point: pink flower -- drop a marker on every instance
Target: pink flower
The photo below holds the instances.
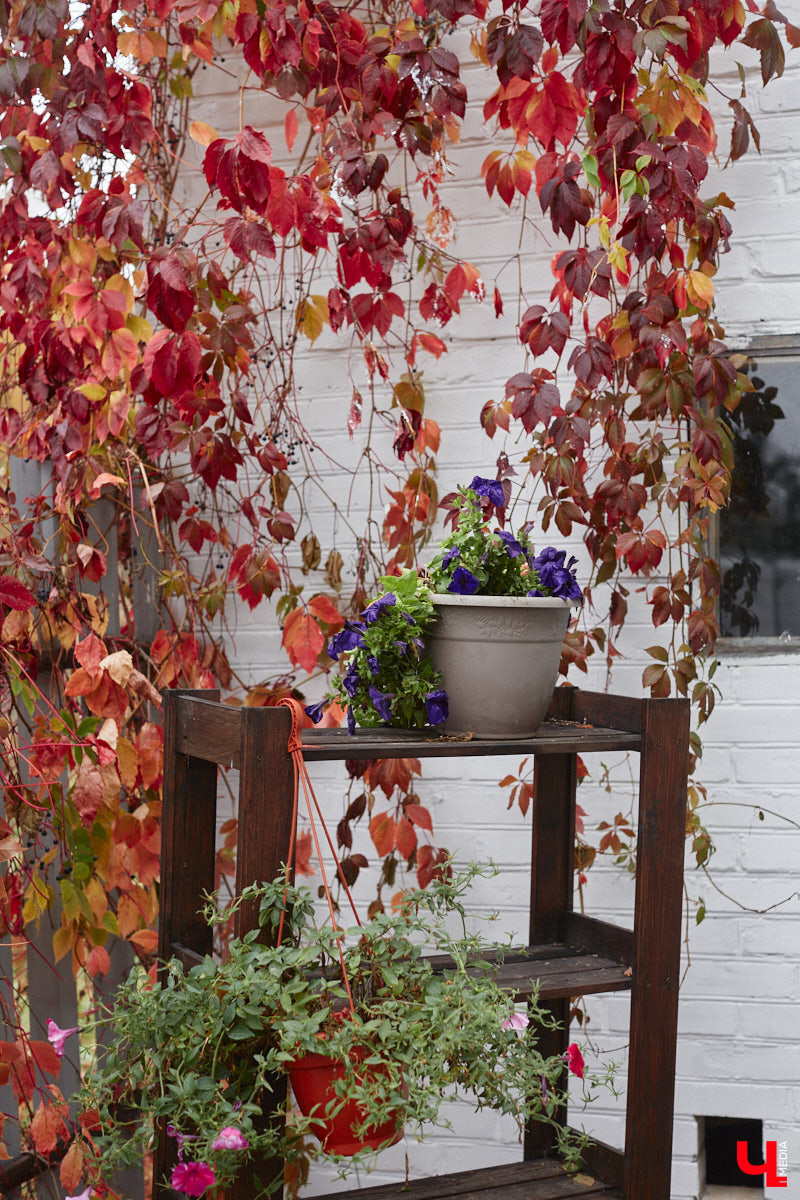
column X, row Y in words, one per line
column 230, row 1138
column 56, row 1037
column 575, row 1060
column 517, row 1020
column 192, row 1178
column 84, row 1195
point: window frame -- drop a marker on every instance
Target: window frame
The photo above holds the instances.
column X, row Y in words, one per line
column 764, row 347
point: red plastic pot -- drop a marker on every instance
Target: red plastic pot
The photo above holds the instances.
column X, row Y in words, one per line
column 313, row 1077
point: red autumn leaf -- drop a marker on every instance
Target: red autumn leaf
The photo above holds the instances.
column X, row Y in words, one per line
column 405, row 838
column 45, row 1057
column 71, row 1169
column 303, row 640
column 290, row 128
column 90, row 652
column 48, row 1127
column 14, row 594
column 98, row 962
column 168, row 293
column 92, row 563
column 382, row 830
column 88, row 793
column 419, row 815
column 326, row 611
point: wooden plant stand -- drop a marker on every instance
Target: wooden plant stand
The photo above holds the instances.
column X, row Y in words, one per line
column 569, row 954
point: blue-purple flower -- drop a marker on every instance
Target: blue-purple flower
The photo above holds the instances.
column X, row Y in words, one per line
column 348, row 638
column 373, row 664
column 511, row 544
column 351, row 720
column 382, row 702
column 315, row 711
column 556, row 577
column 401, row 646
column 463, row 582
column 374, row 610
column 351, row 680
column 453, row 553
column 437, row 706
column 492, row 489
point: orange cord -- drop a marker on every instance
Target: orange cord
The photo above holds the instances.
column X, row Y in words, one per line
column 295, row 747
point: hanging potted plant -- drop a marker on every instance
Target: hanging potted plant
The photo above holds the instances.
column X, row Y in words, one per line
column 199, row 1052
column 472, row 645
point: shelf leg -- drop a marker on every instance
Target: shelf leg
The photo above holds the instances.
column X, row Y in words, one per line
column 657, row 939
column 188, row 836
column 552, row 858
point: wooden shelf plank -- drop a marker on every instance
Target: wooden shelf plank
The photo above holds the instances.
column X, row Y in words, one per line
column 540, row 1179
column 560, row 972
column 554, row 737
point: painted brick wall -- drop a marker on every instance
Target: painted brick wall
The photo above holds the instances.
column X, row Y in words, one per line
column 739, row 1053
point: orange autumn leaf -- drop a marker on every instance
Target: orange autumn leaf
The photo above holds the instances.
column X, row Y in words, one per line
column 303, row 640
column 48, row 1127
column 71, row 1169
column 382, row 830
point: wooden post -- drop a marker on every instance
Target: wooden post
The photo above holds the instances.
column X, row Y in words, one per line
column 657, row 940
column 188, row 837
column 552, row 870
column 266, row 802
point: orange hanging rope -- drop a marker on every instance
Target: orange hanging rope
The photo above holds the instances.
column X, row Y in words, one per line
column 295, row 747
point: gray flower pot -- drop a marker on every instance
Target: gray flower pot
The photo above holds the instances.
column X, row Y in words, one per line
column 499, row 659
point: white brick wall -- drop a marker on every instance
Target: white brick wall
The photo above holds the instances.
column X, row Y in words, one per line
column 739, row 1052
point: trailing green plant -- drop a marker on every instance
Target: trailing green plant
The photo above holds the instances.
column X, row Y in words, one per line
column 200, row 1051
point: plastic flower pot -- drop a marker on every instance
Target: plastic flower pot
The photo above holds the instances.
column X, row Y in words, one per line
column 313, row 1077
column 499, row 658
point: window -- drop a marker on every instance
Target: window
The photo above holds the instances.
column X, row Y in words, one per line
column 759, row 532
column 722, row 1174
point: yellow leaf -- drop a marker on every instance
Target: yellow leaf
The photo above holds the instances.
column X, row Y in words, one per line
column 700, row 289
column 127, row 763
column 37, row 900
column 312, row 316
column 202, row 133
column 140, row 327
column 63, row 941
column 92, row 391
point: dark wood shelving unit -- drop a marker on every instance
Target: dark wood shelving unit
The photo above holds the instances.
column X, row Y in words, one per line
column 569, row 954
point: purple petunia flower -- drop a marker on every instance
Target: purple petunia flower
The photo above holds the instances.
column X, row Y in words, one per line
column 492, row 489
column 373, row 664
column 348, row 638
column 315, row 711
column 192, row 1178
column 512, row 545
column 351, row 680
column 453, row 553
column 409, row 619
column 374, row 610
column 556, row 576
column 463, row 582
column 382, row 702
column 437, row 706
column 351, row 720
column 401, row 646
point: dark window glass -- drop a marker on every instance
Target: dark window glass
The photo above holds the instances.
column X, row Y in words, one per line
column 721, row 1136
column 760, row 529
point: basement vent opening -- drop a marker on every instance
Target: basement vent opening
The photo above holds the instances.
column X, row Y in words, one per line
column 720, row 1135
